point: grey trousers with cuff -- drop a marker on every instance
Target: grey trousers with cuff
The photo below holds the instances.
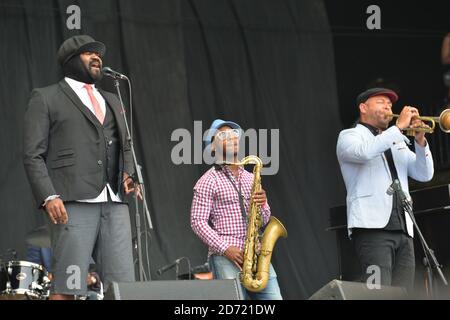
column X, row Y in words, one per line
column 101, row 231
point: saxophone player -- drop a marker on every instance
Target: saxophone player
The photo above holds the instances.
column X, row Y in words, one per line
column 218, row 213
column 371, row 157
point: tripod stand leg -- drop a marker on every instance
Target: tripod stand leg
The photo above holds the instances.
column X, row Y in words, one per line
column 428, row 283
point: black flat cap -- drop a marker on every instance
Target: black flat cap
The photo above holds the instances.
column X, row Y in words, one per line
column 79, row 44
column 362, row 97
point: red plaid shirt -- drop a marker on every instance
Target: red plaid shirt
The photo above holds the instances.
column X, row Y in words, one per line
column 216, row 214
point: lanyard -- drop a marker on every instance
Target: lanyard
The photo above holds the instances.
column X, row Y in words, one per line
column 241, row 198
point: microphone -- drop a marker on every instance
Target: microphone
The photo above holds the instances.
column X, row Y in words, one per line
column 395, row 186
column 168, row 266
column 390, row 191
column 107, row 71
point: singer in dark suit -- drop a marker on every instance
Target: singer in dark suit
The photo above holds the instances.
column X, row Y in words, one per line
column 78, row 162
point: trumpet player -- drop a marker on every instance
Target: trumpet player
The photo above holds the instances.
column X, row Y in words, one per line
column 219, row 209
column 371, row 155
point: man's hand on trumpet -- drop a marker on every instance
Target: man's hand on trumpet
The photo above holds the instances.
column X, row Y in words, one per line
column 405, row 117
column 419, row 135
column 408, row 119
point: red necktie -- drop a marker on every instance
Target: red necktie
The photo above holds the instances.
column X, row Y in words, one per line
column 97, row 110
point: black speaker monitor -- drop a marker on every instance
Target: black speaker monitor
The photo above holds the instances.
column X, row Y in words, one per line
column 175, row 290
column 346, row 290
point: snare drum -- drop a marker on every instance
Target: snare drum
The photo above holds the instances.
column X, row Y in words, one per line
column 21, row 280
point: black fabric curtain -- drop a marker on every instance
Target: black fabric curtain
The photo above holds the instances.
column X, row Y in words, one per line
column 262, row 63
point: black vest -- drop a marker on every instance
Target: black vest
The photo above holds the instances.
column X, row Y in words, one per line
column 112, row 143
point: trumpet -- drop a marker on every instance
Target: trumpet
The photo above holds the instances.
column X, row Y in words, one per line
column 443, row 119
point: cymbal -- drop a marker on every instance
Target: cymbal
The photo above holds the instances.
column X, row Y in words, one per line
column 39, row 237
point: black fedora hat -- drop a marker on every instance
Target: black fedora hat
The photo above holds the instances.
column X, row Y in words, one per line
column 363, row 96
column 79, row 44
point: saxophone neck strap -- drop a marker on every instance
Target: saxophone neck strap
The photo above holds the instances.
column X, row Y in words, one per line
column 241, row 198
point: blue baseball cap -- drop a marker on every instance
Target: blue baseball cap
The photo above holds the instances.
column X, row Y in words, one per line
column 218, row 123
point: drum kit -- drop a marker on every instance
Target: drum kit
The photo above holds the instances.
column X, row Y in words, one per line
column 25, row 280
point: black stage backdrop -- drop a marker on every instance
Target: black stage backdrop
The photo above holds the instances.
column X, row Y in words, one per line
column 264, row 64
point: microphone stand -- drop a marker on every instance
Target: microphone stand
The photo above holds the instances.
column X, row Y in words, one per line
column 139, row 181
column 176, row 264
column 429, row 259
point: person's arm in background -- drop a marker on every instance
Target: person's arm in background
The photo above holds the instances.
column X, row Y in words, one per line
column 34, row 255
column 445, row 52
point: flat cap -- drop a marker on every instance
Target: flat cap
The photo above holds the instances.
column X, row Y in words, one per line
column 79, row 44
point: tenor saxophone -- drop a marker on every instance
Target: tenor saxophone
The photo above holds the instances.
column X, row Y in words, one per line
column 256, row 265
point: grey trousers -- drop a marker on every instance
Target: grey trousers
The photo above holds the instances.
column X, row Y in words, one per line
column 98, row 231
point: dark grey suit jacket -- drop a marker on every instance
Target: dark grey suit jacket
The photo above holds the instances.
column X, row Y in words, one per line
column 64, row 147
